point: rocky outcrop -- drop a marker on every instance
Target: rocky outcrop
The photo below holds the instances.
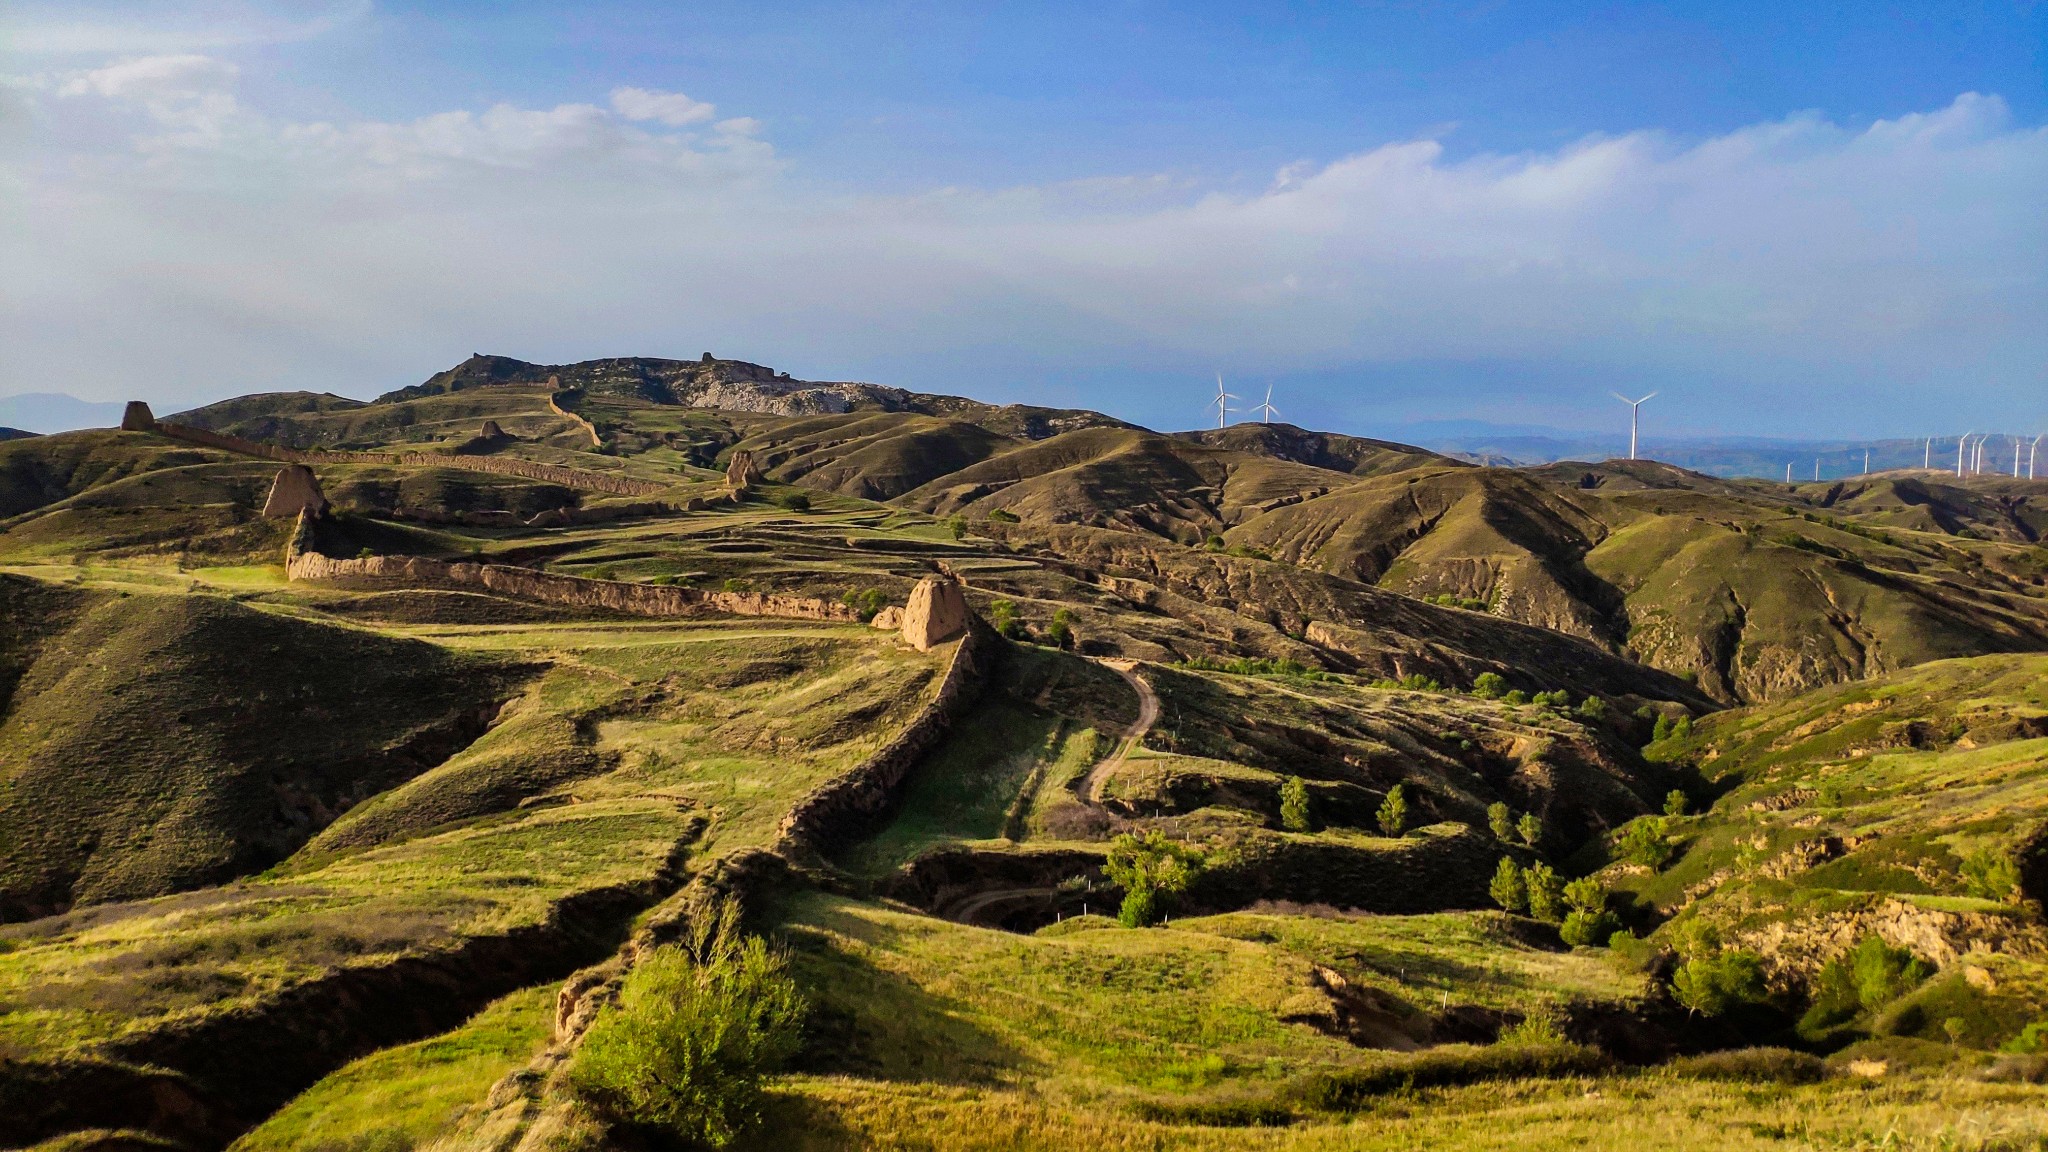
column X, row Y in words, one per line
column 138, row 418
column 742, row 472
column 1795, row 949
column 937, row 612
column 575, row 591
column 295, row 490
column 845, row 807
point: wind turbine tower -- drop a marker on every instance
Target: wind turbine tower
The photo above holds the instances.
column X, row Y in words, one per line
column 1635, row 419
column 2015, row 457
column 1788, row 471
column 1959, row 453
column 1266, row 410
column 1927, row 454
column 1866, row 461
column 2031, row 450
column 1222, row 397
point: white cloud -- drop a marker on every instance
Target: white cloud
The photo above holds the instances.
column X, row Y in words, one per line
column 1786, row 256
column 671, row 108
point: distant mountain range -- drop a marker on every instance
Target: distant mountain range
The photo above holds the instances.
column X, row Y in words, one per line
column 1479, row 441
column 56, row 412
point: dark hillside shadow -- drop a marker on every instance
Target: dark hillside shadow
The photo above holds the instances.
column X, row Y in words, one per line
column 876, row 1024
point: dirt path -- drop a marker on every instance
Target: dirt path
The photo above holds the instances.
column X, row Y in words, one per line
column 1090, row 787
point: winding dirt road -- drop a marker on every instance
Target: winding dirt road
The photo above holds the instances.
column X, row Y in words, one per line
column 1090, row 788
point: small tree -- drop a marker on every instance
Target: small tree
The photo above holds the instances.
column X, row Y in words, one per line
column 1501, row 819
column 1588, row 924
column 1149, row 869
column 1393, row 813
column 1508, row 888
column 1061, row 632
column 1489, row 686
column 1592, row 709
column 1675, row 803
column 1661, row 730
column 1682, row 729
column 1530, row 826
column 1643, row 842
column 1294, row 815
column 956, row 526
column 694, row 1030
column 1546, row 892
column 1002, row 616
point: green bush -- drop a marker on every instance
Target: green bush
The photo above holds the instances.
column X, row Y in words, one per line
column 1254, row 666
column 1675, row 803
column 1557, row 699
column 1584, row 929
column 1644, row 841
column 956, row 526
column 1002, row 516
column 1530, row 827
column 1412, row 682
column 738, row 585
column 1662, row 730
column 1592, row 709
column 1002, row 616
column 1546, row 892
column 1508, row 888
column 794, row 501
column 694, row 1030
column 1515, row 696
column 1060, row 634
column 867, row 603
column 1863, row 979
column 1393, row 813
column 1147, row 869
column 2032, row 1039
column 1294, row 813
column 1501, row 819
column 1752, row 1066
column 1489, row 686
column 1714, row 979
column 1991, row 874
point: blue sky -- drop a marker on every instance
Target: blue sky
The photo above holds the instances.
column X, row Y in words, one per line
column 1791, row 219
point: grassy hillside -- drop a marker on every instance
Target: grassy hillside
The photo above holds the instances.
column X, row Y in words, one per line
column 351, row 865
column 160, row 742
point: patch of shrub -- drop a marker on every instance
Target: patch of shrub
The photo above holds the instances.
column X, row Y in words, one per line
column 1557, row 699
column 1489, row 686
column 1991, row 874
column 794, row 501
column 1675, row 803
column 1150, row 869
column 866, row 603
column 1002, row 516
column 736, row 584
column 1530, row 827
column 1253, row 666
column 956, row 526
column 1002, row 616
column 1412, row 682
column 1645, row 841
column 1752, row 1066
column 1060, row 633
column 1863, row 979
column 1592, row 709
column 1515, row 696
column 1714, row 979
column 1354, row 1088
column 1501, row 819
column 2031, row 1040
column 694, row 1030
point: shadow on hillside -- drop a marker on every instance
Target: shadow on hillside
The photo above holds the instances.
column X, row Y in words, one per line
column 876, row 1024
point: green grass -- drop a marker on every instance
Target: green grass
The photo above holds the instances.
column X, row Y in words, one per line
column 406, row 1096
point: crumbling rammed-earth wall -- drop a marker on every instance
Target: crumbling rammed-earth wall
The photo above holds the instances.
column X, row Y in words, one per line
column 576, row 591
column 843, row 807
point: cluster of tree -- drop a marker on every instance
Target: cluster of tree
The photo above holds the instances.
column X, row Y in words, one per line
column 1578, row 907
column 1151, row 870
column 1507, row 827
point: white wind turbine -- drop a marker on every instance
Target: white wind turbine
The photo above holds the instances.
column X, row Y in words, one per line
column 1635, row 418
column 1222, row 399
column 1959, row 452
column 1265, row 408
column 2031, row 450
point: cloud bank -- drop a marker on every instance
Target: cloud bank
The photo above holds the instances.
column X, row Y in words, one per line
column 179, row 244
